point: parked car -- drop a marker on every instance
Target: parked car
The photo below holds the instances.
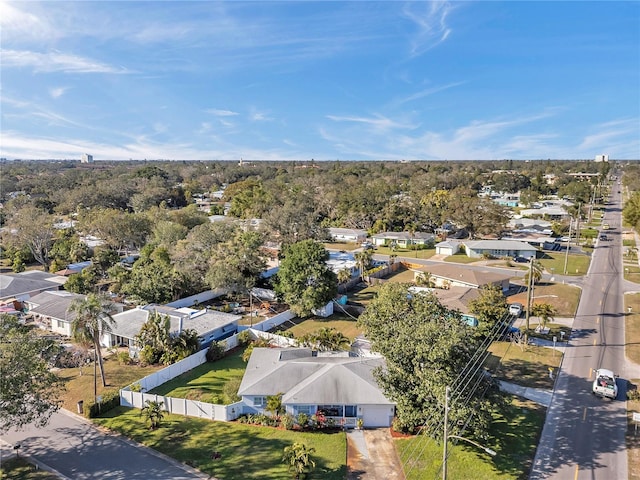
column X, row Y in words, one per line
column 604, row 385
column 520, row 259
column 367, row 245
column 603, row 237
column 515, row 309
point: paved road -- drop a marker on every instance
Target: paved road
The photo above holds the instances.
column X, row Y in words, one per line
column 584, row 436
column 75, row 449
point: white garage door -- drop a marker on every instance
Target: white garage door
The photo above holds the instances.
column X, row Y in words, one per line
column 376, row 416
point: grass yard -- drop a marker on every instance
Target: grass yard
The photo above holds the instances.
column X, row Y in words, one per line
column 632, row 327
column 461, row 258
column 80, row 387
column 407, row 253
column 205, row 382
column 633, row 438
column 247, row 452
column 564, row 298
column 364, row 295
column 20, row 469
column 554, row 262
column 632, row 272
column 528, row 367
column 555, row 330
column 339, row 321
column 513, row 435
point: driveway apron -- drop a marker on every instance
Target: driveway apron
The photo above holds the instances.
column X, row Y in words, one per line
column 371, row 455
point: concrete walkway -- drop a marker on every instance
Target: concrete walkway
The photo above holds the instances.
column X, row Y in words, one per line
column 538, row 395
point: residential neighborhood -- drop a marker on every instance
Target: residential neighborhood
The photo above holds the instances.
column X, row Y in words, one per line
column 310, row 324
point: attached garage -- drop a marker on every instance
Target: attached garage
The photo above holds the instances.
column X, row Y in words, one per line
column 377, row 415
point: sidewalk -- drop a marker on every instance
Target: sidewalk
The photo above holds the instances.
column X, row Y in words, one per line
column 538, row 395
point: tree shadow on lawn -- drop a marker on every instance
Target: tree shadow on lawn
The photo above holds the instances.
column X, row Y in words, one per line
column 523, row 372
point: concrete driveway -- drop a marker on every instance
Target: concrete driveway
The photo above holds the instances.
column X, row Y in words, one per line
column 371, row 455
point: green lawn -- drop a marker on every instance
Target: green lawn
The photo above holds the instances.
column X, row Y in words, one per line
column 461, row 258
column 339, row 321
column 513, row 435
column 20, row 469
column 564, row 298
column 205, row 382
column 79, row 382
column 247, row 452
column 528, row 367
column 554, row 262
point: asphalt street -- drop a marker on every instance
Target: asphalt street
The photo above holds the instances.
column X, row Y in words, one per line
column 583, row 435
column 76, row 450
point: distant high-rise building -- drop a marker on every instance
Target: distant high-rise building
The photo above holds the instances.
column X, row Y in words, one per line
column 86, row 158
column 602, row 158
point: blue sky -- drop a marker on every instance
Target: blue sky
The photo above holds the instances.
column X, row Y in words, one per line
column 323, row 80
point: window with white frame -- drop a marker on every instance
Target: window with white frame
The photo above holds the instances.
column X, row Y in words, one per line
column 259, row 401
column 59, row 323
column 307, row 409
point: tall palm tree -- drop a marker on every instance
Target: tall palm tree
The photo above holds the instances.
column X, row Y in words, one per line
column 93, row 318
column 533, row 275
column 363, row 260
column 344, row 275
column 545, row 311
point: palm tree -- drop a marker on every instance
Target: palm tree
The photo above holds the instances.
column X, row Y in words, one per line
column 298, row 459
column 330, row 339
column 344, row 275
column 363, row 259
column 533, row 275
column 153, row 412
column 544, row 311
column 93, row 318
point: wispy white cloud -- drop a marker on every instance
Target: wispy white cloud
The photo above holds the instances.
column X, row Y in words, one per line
column 426, row 92
column 57, row 92
column 609, row 133
column 430, row 19
column 220, row 112
column 19, row 23
column 379, row 122
column 258, row 116
column 56, row 62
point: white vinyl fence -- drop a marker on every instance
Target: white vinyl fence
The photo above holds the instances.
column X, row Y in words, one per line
column 269, row 323
column 193, row 408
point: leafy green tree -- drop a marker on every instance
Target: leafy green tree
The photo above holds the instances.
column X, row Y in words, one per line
column 631, row 210
column 154, row 279
column 29, row 391
column 490, row 308
column 304, row 280
column 153, row 412
column 426, row 347
column 154, row 335
column 545, row 311
column 237, row 264
column 298, row 459
column 31, row 227
column 92, row 320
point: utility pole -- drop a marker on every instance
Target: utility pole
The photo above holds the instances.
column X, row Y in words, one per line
column 566, row 253
column 446, row 432
column 529, row 295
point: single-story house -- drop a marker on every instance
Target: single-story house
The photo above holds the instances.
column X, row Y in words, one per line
column 499, row 248
column 446, row 275
column 343, row 388
column 530, row 225
column 455, row 298
column 403, row 239
column 348, row 235
column 51, row 310
column 210, row 325
column 448, row 247
column 21, row 286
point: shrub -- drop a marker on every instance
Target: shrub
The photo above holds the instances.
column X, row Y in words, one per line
column 303, row 420
column 148, row 355
column 230, row 390
column 110, row 399
column 632, row 391
column 287, row 421
column 216, row 351
column 244, row 338
column 124, row 358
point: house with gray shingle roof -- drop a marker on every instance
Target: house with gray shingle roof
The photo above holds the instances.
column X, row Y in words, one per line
column 499, row 249
column 403, row 239
column 445, row 275
column 343, row 388
column 21, row 286
column 210, row 325
column 51, row 310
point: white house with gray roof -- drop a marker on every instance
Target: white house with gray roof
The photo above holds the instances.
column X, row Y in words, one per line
column 21, row 286
column 343, row 388
column 348, row 235
column 499, row 248
column 403, row 239
column 210, row 325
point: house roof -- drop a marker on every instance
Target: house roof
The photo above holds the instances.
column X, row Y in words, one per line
column 347, row 231
column 304, row 379
column 456, row 298
column 449, row 243
column 129, row 323
column 54, row 304
column 404, row 235
column 461, row 274
column 498, row 245
column 25, row 283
